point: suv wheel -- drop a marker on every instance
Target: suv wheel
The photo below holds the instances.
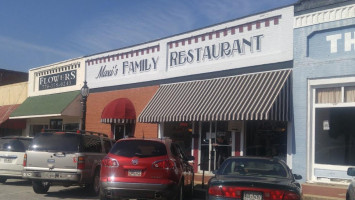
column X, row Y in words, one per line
column 94, row 187
column 40, row 187
column 2, row 180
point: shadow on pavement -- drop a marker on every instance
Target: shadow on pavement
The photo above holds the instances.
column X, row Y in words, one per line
column 70, row 193
column 18, row 183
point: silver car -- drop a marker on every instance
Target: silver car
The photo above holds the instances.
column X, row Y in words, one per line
column 350, row 194
column 65, row 158
column 12, row 150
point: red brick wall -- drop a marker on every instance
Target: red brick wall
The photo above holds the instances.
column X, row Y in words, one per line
column 138, row 96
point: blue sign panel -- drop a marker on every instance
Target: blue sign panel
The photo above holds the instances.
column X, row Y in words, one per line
column 332, row 44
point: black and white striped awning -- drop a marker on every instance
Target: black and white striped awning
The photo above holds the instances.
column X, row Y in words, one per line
column 257, row 96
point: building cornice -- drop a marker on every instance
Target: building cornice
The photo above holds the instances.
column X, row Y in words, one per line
column 329, row 15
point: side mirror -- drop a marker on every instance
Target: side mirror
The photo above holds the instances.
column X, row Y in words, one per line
column 297, row 176
column 351, row 171
column 190, row 158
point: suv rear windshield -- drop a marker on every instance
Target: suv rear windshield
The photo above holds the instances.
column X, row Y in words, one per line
column 139, row 148
column 66, row 142
column 14, row 144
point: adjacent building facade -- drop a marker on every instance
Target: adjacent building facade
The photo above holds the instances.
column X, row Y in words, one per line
column 324, row 88
column 12, row 96
column 53, row 100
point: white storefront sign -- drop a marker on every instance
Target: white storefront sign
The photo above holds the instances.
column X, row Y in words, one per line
column 255, row 40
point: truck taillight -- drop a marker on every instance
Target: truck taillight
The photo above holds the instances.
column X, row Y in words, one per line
column 164, row 164
column 81, row 162
column 24, row 160
column 236, row 192
column 109, row 162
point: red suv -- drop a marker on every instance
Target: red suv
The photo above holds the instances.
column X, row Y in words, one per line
column 146, row 168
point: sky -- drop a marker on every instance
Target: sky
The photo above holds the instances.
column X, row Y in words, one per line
column 35, row 33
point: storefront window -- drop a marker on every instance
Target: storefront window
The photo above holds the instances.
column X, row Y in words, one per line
column 122, row 130
column 335, row 136
column 36, row 129
column 56, row 124
column 328, row 95
column 349, row 94
column 71, row 127
column 266, row 138
column 180, row 133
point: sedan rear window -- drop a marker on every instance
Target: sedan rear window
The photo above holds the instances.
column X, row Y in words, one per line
column 139, row 148
column 14, row 144
column 253, row 167
column 56, row 142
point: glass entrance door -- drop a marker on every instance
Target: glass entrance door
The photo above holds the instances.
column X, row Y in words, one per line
column 216, row 145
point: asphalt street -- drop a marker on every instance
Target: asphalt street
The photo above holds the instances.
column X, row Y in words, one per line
column 19, row 189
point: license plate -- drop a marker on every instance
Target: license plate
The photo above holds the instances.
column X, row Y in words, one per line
column 7, row 160
column 252, row 195
column 49, row 175
column 133, row 172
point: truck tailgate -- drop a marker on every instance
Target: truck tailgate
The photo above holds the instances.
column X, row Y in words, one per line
column 56, row 161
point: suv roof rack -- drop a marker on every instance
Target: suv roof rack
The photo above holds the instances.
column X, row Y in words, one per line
column 75, row 131
column 92, row 133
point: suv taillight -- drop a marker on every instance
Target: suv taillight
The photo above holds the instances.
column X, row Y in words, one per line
column 81, row 162
column 24, row 160
column 109, row 162
column 236, row 192
column 164, row 164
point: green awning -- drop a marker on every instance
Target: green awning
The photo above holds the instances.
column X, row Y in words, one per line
column 60, row 104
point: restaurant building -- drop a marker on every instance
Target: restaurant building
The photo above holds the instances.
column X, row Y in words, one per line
column 227, row 83
column 53, row 100
column 324, row 89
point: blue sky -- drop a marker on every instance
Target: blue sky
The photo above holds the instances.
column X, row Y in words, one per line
column 34, row 33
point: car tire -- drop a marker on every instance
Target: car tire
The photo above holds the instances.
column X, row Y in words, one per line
column 94, row 187
column 192, row 186
column 103, row 197
column 40, row 187
column 3, row 180
column 180, row 195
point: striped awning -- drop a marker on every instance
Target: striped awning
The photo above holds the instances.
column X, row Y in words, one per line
column 257, row 96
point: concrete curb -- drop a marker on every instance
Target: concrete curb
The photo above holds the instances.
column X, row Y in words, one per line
column 318, row 197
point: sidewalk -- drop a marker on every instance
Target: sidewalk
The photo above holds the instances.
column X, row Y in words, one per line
column 317, row 191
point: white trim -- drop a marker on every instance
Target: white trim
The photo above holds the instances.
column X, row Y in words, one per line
column 309, row 159
column 199, row 147
column 35, row 116
column 311, row 108
column 233, row 142
column 289, row 145
column 161, row 130
column 324, row 16
column 332, row 81
column 331, row 167
column 242, row 136
column 193, row 139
